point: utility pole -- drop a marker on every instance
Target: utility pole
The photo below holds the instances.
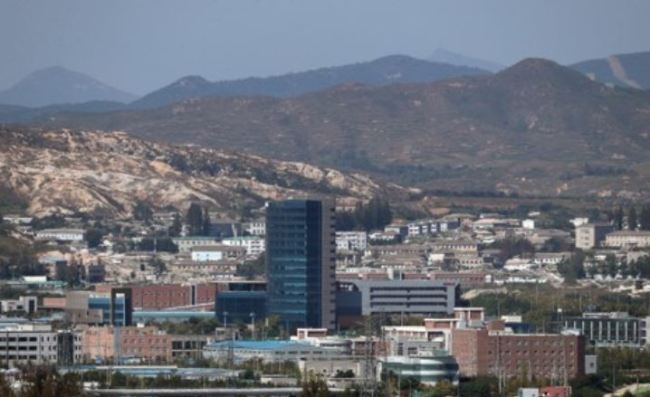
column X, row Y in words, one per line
column 370, row 381
column 252, row 325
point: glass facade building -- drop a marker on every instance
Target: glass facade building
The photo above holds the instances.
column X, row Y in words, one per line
column 239, row 305
column 115, row 309
column 300, row 260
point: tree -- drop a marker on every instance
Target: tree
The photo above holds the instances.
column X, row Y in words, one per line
column 345, row 221
column 142, row 211
column 443, row 388
column 252, row 269
column 315, row 387
column 206, row 226
column 158, row 266
column 5, row 387
column 618, row 218
column 176, row 227
column 344, row 374
column 632, row 219
column 572, row 269
column 93, row 237
column 481, row 386
column 511, row 247
column 194, row 219
column 374, row 215
column 556, row 244
column 644, row 217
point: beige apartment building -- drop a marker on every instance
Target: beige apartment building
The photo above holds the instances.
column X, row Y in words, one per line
column 628, row 239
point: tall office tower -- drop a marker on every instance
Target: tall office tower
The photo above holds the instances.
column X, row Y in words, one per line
column 300, row 262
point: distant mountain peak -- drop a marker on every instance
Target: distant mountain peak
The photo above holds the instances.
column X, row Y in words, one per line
column 56, row 85
column 191, row 81
column 453, row 58
column 540, row 70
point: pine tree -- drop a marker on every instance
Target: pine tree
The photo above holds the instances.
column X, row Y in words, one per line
column 632, row 220
column 618, row 218
column 644, row 218
column 206, row 226
column 195, row 219
column 176, row 227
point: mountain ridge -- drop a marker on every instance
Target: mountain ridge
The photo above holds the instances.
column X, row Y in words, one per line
column 57, row 85
column 385, row 70
column 630, row 70
column 445, row 56
column 535, row 128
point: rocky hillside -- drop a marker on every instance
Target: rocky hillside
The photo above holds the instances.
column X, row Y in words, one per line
column 536, row 128
column 61, row 171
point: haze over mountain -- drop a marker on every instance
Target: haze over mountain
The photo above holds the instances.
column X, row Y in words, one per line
column 387, row 70
column 57, row 85
column 444, row 56
column 534, row 128
column 625, row 70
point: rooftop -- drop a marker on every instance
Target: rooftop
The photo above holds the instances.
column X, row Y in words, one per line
column 260, row 344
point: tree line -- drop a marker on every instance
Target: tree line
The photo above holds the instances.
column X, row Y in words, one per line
column 372, row 216
column 632, row 217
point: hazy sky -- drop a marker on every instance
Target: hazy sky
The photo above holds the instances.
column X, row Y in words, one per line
column 140, row 45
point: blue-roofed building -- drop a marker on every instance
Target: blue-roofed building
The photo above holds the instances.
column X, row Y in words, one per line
column 267, row 350
column 152, row 371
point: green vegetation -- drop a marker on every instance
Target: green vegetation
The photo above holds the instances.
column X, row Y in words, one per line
column 191, row 327
column 372, row 216
column 315, row 386
column 637, row 218
column 158, row 244
column 573, row 268
column 511, row 247
column 10, row 201
column 176, row 227
column 142, row 211
column 44, row 381
column 71, row 273
column 17, row 259
column 539, row 304
column 198, row 220
column 252, row 269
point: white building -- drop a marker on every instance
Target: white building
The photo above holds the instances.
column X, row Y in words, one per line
column 528, row 224
column 38, row 344
column 185, row 244
column 550, row 258
column 590, row 235
column 255, row 228
column 351, row 241
column 212, row 253
column 254, row 245
column 17, row 219
column 60, row 235
column 519, row 265
column 628, row 239
column 267, row 350
column 27, row 304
